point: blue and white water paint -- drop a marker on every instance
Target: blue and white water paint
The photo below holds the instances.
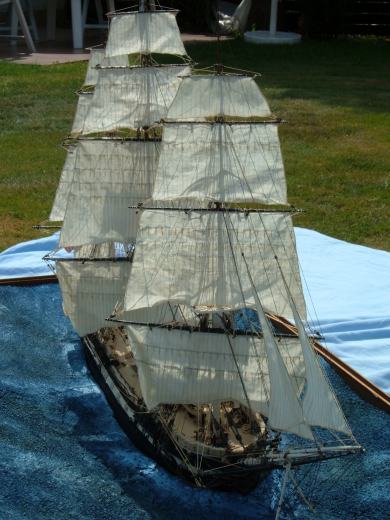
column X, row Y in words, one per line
column 63, row 456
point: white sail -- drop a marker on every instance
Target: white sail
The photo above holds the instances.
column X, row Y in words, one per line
column 187, row 258
column 90, row 291
column 232, row 163
column 98, row 58
column 109, row 176
column 144, row 33
column 285, row 409
column 203, row 97
column 61, row 199
column 84, row 101
column 82, row 108
column 177, row 366
column 320, row 405
column 132, row 97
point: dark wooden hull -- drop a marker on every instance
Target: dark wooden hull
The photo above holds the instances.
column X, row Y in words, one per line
column 151, row 437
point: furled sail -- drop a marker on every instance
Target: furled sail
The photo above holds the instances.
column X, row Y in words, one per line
column 61, row 199
column 90, row 291
column 108, row 177
column 144, row 33
column 232, row 163
column 181, row 367
column 228, row 96
column 132, row 98
column 195, row 259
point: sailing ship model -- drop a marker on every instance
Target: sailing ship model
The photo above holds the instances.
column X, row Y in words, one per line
column 173, row 200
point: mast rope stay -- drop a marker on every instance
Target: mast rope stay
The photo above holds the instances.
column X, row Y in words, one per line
column 305, row 338
column 243, row 298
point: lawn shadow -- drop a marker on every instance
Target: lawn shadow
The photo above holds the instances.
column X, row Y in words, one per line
column 349, row 73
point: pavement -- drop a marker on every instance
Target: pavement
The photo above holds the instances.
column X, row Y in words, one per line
column 61, row 51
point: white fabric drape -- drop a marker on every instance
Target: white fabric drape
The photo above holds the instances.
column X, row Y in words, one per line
column 232, row 163
column 132, row 97
column 176, row 366
column 144, row 33
column 109, row 176
column 202, row 97
column 186, row 258
column 90, row 291
column 61, row 199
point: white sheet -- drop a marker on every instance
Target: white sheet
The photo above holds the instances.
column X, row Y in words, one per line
column 25, row 259
column 349, row 285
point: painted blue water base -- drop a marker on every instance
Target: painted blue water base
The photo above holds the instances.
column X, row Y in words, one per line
column 63, row 456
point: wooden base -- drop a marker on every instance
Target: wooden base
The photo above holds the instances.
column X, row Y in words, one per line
column 29, row 280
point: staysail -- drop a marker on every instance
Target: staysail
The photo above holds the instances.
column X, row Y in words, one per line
column 320, row 405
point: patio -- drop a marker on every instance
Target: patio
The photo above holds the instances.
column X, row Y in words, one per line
column 63, row 35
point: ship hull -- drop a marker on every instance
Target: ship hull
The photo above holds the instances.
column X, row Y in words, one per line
column 151, row 437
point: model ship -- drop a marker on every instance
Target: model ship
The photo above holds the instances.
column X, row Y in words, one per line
column 173, row 201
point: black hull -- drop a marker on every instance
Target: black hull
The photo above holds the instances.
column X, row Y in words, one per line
column 150, row 436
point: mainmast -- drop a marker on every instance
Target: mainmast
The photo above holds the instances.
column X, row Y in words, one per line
column 212, row 243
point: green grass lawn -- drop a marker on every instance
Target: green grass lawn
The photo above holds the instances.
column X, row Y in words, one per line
column 334, row 95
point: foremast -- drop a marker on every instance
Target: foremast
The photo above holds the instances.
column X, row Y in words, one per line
column 211, row 244
column 112, row 164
